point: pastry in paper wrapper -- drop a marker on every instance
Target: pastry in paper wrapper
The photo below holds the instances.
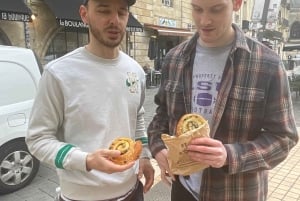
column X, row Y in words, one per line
column 179, row 161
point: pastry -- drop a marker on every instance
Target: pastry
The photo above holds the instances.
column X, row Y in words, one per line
column 189, row 122
column 130, row 150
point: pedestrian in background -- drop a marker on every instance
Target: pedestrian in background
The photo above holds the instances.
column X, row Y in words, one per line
column 240, row 86
column 85, row 100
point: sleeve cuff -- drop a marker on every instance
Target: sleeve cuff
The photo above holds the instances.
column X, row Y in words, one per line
column 76, row 160
column 146, row 152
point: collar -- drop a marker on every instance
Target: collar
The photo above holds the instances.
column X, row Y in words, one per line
column 240, row 41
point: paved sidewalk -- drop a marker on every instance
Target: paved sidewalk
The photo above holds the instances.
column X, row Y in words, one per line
column 284, row 180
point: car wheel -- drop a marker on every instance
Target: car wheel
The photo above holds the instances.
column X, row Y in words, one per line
column 17, row 166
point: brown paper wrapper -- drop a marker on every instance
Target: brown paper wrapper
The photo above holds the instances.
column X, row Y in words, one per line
column 179, row 161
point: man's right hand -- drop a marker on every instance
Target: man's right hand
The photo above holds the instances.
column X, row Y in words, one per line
column 165, row 174
column 99, row 160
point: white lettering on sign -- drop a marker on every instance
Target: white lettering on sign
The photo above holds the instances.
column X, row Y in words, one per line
column 15, row 17
column 167, row 22
column 71, row 23
column 134, row 29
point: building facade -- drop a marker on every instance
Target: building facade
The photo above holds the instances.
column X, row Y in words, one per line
column 57, row 29
column 53, row 27
column 166, row 24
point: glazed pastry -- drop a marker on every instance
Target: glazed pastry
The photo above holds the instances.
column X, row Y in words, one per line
column 130, row 150
column 189, row 122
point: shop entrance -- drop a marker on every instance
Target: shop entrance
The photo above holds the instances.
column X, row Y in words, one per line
column 164, row 44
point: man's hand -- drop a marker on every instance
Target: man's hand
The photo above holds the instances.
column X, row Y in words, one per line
column 99, row 160
column 146, row 169
column 165, row 174
column 209, row 151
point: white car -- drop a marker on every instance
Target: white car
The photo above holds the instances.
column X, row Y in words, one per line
column 20, row 72
column 294, row 69
column 293, row 73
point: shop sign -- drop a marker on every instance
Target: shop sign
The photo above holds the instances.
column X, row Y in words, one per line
column 72, row 23
column 15, row 16
column 258, row 9
column 273, row 10
column 271, row 25
column 255, row 25
column 167, row 22
column 134, row 29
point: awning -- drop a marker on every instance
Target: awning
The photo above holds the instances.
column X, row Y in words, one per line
column 271, row 34
column 291, row 47
column 14, row 10
column 169, row 31
column 64, row 9
column 133, row 25
column 66, row 13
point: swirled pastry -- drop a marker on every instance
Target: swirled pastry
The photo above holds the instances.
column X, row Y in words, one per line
column 130, row 150
column 189, row 122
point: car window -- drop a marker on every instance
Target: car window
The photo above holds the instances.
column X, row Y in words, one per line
column 16, row 83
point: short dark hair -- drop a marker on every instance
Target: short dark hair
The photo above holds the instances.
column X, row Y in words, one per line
column 85, row 2
column 130, row 2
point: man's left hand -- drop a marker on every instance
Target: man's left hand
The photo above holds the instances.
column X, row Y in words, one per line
column 207, row 150
column 147, row 170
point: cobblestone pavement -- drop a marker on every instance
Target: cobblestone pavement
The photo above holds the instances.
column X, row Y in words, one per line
column 284, row 180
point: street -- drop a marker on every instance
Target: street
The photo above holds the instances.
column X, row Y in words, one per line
column 284, row 179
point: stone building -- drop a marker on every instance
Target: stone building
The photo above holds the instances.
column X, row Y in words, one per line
column 292, row 45
column 166, row 24
column 53, row 27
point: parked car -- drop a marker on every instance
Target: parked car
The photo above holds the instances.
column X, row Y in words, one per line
column 293, row 67
column 20, row 72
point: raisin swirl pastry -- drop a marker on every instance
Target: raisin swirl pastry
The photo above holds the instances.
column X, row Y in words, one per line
column 130, row 150
column 189, row 122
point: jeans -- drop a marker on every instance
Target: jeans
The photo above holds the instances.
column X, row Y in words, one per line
column 180, row 193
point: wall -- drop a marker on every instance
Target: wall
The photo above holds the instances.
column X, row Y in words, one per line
column 14, row 32
column 43, row 28
column 149, row 11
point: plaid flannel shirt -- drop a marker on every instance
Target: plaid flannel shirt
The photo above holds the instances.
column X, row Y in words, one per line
column 253, row 116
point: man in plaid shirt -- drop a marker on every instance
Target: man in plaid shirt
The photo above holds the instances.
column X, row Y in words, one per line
column 240, row 86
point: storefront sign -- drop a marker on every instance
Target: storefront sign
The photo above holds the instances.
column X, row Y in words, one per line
column 134, row 29
column 72, row 23
column 258, row 10
column 271, row 25
column 27, row 35
column 14, row 16
column 273, row 10
column 167, row 22
column 255, row 25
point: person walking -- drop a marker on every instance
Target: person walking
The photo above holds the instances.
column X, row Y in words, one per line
column 240, row 86
column 86, row 99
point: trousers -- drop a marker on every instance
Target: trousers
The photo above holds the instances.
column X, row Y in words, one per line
column 179, row 192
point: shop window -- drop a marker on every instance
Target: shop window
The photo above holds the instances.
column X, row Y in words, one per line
column 295, row 31
column 168, row 3
column 65, row 41
column 24, row 86
column 295, row 3
column 72, row 42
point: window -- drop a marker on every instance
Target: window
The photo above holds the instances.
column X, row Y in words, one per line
column 295, row 31
column 65, row 41
column 167, row 3
column 16, row 83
